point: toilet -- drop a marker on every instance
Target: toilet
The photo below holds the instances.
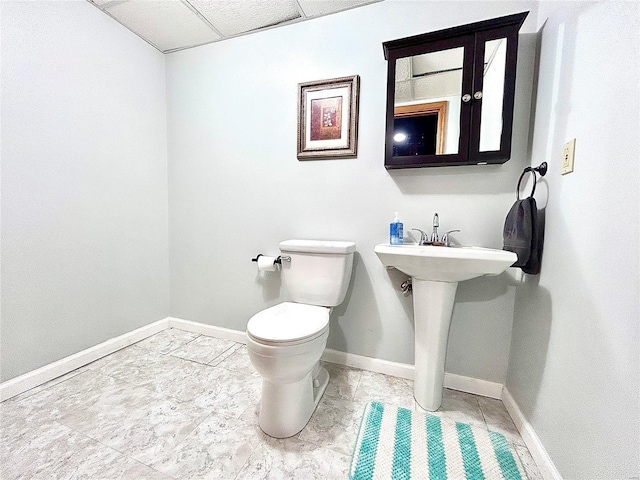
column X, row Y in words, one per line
column 285, row 342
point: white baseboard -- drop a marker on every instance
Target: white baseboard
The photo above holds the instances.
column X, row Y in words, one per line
column 477, row 386
column 208, row 330
column 531, row 439
column 396, row 369
column 377, row 365
column 404, row 370
column 37, row 377
column 25, row 382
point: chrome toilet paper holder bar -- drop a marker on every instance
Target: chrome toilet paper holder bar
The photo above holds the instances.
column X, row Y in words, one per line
column 278, row 260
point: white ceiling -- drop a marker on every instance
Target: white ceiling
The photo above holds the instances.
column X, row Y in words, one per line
column 171, row 25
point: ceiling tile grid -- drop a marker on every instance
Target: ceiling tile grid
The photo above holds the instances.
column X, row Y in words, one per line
column 233, row 17
column 316, row 8
column 171, row 25
column 166, row 24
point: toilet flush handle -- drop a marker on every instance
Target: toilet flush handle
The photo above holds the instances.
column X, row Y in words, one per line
column 282, row 258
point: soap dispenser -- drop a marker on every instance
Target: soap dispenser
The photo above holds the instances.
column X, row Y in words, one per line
column 396, row 233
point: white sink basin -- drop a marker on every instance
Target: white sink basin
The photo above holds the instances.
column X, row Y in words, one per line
column 444, row 264
column 435, row 273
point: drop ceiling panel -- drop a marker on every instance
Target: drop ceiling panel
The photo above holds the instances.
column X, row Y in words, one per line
column 313, row 8
column 232, row 17
column 167, row 24
column 177, row 24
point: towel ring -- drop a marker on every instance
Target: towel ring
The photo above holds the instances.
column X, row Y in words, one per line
column 535, row 180
column 541, row 169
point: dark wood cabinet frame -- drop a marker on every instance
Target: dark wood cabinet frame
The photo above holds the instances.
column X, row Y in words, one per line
column 472, row 38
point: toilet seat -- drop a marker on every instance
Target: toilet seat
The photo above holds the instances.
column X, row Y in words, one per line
column 288, row 323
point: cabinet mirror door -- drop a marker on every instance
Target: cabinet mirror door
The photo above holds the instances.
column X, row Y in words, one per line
column 427, row 103
column 493, row 95
column 493, row 76
column 427, row 115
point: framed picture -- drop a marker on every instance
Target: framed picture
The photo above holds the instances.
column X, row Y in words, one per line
column 328, row 118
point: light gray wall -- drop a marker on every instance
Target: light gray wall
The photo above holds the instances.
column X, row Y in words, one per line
column 84, row 200
column 84, row 182
column 236, row 188
column 574, row 367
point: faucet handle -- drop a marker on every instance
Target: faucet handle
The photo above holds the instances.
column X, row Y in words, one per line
column 445, row 237
column 436, row 220
column 424, row 237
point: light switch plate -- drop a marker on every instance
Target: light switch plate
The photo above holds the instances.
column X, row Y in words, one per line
column 567, row 156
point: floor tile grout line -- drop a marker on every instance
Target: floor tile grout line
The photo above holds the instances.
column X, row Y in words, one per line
column 42, row 388
column 57, row 397
column 484, row 417
column 192, row 432
column 149, row 466
column 110, row 447
column 159, row 333
column 526, row 473
column 355, row 391
column 237, row 346
column 208, row 412
column 84, row 434
column 168, row 355
column 208, row 364
column 179, row 346
column 184, row 344
column 220, row 354
column 495, row 427
column 234, row 371
column 164, row 396
column 124, row 454
column 152, row 389
column 246, row 462
column 189, row 360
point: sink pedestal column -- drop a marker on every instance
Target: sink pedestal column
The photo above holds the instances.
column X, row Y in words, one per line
column 432, row 308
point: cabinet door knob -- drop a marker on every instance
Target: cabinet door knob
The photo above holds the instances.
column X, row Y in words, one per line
column 477, row 95
column 466, row 97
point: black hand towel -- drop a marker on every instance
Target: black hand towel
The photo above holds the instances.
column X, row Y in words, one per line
column 537, row 240
column 520, row 230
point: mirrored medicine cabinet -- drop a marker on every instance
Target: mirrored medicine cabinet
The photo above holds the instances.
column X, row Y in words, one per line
column 450, row 95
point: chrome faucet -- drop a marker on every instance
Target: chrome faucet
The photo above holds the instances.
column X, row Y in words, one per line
column 435, row 239
column 434, row 235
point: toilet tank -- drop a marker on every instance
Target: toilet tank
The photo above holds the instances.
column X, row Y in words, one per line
column 319, row 271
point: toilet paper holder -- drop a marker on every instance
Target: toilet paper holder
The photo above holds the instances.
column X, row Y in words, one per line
column 278, row 260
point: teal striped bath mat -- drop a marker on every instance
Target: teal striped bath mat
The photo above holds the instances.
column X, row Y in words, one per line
column 399, row 444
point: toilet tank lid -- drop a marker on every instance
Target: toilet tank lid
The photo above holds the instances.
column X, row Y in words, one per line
column 318, row 246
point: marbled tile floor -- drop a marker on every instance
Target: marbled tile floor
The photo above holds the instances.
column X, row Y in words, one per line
column 182, row 405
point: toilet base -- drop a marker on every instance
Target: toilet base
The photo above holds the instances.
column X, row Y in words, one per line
column 285, row 409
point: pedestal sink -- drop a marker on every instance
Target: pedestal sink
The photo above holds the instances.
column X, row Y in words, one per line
column 435, row 273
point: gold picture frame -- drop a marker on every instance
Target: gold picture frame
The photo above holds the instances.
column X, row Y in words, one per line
column 328, row 118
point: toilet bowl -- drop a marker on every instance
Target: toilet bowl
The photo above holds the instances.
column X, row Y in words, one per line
column 285, row 342
column 287, row 359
